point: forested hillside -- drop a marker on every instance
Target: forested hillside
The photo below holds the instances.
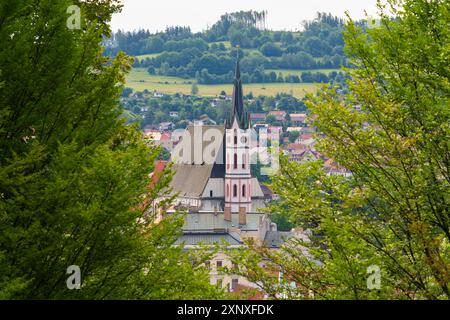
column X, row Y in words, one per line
column 209, row 56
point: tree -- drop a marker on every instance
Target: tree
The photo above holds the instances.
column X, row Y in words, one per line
column 194, row 89
column 271, row 49
column 293, row 136
column 74, row 187
column 271, row 119
column 127, row 92
column 391, row 131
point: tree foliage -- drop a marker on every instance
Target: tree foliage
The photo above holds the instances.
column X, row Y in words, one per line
column 74, row 186
column 392, row 132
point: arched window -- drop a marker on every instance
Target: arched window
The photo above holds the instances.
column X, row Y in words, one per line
column 243, row 191
column 235, row 191
column 235, row 161
column 211, row 194
column 235, row 137
column 243, row 161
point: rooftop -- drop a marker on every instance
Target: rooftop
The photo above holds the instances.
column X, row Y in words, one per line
column 193, row 239
column 203, row 222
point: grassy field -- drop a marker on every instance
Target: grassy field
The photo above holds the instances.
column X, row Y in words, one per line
column 227, row 44
column 145, row 56
column 139, row 80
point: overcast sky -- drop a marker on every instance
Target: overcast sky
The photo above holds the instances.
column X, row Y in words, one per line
column 199, row 14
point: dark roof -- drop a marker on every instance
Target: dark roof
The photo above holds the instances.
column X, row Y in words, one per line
column 208, row 222
column 266, row 190
column 209, row 239
column 275, row 239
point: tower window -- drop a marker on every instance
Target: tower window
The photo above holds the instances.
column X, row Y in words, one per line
column 243, row 191
column 235, row 192
column 243, row 161
column 235, row 136
column 211, row 194
column 235, row 161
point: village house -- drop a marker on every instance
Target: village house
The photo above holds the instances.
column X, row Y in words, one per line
column 166, row 126
column 280, row 116
column 258, row 117
column 298, row 119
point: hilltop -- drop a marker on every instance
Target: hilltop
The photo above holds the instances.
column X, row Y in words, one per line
column 177, row 60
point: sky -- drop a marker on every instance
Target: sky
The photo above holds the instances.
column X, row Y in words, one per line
column 156, row 15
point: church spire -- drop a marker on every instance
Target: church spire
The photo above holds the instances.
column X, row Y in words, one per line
column 237, row 111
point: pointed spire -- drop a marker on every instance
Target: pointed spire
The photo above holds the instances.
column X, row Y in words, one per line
column 237, row 111
column 238, row 100
column 238, row 70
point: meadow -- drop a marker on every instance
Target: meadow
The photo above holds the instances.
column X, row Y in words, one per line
column 139, row 80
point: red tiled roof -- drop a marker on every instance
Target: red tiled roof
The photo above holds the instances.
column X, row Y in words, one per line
column 306, row 136
column 166, row 137
column 277, row 113
column 298, row 117
column 159, row 168
column 258, row 116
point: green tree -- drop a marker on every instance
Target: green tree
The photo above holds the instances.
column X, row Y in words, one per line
column 271, row 119
column 271, row 49
column 194, row 89
column 392, row 132
column 293, row 136
column 74, row 187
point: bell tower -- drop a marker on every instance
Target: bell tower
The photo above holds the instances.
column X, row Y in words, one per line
column 238, row 196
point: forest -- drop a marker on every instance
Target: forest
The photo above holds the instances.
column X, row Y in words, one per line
column 209, row 56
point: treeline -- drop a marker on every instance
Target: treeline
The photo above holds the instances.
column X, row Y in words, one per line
column 262, row 76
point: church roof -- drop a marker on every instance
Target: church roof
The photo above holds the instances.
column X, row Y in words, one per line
column 190, row 180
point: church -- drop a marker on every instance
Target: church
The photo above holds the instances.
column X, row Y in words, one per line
column 212, row 165
column 213, row 182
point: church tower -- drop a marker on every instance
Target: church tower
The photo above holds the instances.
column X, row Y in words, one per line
column 238, row 195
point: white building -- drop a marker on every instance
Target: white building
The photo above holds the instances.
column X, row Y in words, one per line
column 212, row 165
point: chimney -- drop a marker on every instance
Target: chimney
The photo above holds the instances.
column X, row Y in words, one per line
column 242, row 215
column 227, row 214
